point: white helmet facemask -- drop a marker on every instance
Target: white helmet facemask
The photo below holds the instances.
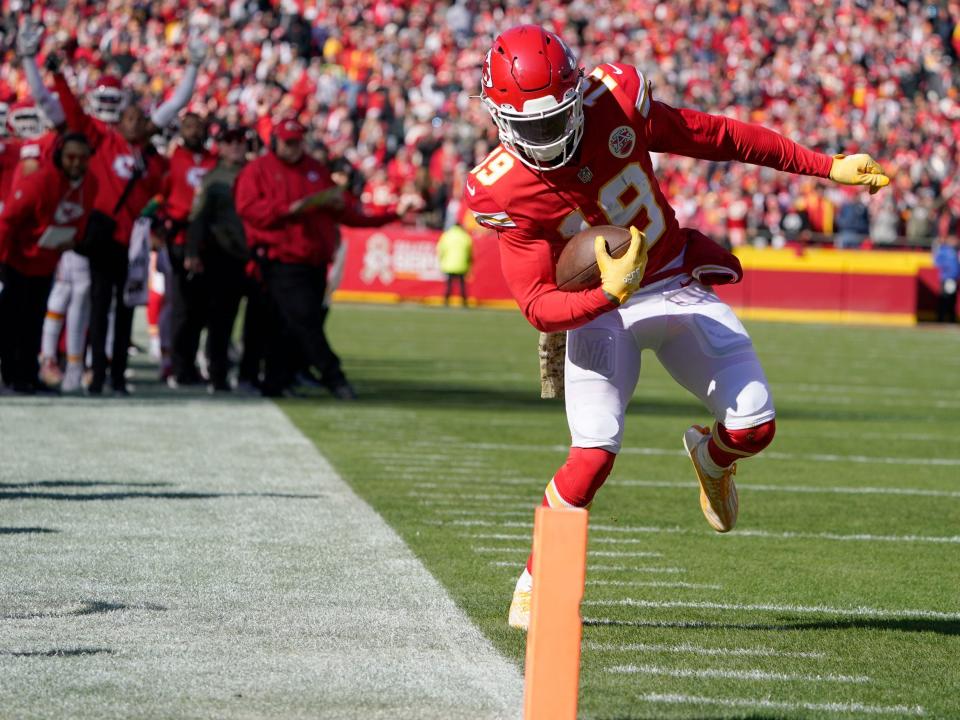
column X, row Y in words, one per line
column 544, row 134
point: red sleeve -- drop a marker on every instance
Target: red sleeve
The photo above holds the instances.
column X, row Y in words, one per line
column 254, row 205
column 77, row 119
column 351, row 216
column 529, row 270
column 714, row 137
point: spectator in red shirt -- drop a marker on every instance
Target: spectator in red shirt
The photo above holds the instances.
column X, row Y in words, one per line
column 44, row 215
column 189, row 163
column 290, row 207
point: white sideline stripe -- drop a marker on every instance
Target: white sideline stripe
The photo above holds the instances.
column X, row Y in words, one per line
column 854, row 707
column 769, row 455
column 762, row 607
column 594, row 553
column 607, row 568
column 655, row 583
column 735, row 674
column 803, row 488
column 686, row 648
column 786, row 535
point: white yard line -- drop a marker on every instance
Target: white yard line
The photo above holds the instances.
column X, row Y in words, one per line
column 766, row 455
column 762, row 607
column 242, row 576
column 592, row 553
column 688, row 649
column 608, row 568
column 526, row 539
column 786, row 535
column 764, row 704
column 827, row 489
column 655, row 583
column 755, row 674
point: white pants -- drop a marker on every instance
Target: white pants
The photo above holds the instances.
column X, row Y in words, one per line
column 70, row 299
column 696, row 337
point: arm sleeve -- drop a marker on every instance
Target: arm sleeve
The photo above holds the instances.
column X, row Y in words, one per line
column 528, row 268
column 45, row 99
column 76, row 118
column 254, row 206
column 199, row 220
column 163, row 115
column 714, row 137
column 352, row 217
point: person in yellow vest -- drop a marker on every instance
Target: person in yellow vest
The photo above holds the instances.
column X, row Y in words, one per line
column 455, row 253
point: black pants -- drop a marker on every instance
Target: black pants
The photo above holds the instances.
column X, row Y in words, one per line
column 451, row 278
column 225, row 280
column 256, row 321
column 108, row 275
column 297, row 293
column 23, row 303
column 188, row 315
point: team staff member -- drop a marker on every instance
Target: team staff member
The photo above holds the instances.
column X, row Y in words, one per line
column 129, row 173
column 216, row 248
column 291, row 207
column 44, row 214
column 189, row 163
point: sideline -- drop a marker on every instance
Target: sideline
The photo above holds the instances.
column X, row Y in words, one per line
column 200, row 558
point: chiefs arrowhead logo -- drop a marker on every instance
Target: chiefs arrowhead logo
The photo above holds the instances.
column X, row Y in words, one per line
column 622, row 141
column 486, row 78
column 123, row 166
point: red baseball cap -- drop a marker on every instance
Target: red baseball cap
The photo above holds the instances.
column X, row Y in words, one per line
column 289, row 129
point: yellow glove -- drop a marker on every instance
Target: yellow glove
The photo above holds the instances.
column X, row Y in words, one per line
column 620, row 277
column 859, row 169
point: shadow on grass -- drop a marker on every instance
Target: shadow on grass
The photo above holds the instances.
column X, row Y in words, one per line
column 25, row 530
column 79, row 483
column 57, row 652
column 940, row 627
column 86, row 497
column 88, row 607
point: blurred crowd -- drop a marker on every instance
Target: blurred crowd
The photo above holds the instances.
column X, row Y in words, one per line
column 385, row 88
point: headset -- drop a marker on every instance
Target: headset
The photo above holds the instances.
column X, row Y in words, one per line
column 62, row 140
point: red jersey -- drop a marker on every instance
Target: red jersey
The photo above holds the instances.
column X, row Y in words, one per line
column 609, row 181
column 44, row 200
column 264, row 191
column 9, row 157
column 186, row 172
column 38, row 149
column 113, row 163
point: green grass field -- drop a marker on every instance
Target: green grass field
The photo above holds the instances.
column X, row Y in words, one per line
column 838, row 595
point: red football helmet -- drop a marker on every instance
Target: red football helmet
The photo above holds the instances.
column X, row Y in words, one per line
column 26, row 120
column 108, row 99
column 533, row 89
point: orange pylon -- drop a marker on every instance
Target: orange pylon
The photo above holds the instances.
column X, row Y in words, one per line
column 552, row 677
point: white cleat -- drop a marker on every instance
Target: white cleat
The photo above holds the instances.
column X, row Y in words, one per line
column 72, row 378
column 520, row 610
column 718, row 496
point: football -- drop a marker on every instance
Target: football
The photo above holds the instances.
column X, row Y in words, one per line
column 577, row 265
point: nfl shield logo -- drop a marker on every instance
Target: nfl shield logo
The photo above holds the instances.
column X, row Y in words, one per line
column 585, row 175
column 622, row 140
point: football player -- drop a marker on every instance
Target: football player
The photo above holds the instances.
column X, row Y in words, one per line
column 575, row 152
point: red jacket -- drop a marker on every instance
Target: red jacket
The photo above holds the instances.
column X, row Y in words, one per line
column 44, row 199
column 264, row 191
column 181, row 182
column 113, row 163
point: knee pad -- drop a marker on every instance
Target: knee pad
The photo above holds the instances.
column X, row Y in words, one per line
column 746, row 442
column 581, row 476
